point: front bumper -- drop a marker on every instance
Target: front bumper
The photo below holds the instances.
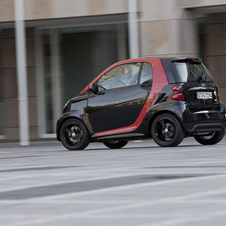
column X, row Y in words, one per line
column 58, row 125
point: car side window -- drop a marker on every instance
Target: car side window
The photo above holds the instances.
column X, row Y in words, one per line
column 146, row 73
column 120, row 76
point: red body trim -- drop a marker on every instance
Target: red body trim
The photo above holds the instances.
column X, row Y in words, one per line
column 159, row 81
column 114, row 65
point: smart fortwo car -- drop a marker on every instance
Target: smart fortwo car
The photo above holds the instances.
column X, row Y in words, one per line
column 163, row 99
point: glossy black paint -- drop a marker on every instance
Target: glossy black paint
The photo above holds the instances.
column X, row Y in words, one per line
column 120, row 107
column 167, row 65
column 76, row 107
column 116, row 108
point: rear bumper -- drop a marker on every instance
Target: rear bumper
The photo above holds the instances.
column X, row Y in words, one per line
column 196, row 119
column 203, row 121
column 205, row 127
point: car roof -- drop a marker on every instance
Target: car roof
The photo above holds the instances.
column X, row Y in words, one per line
column 173, row 58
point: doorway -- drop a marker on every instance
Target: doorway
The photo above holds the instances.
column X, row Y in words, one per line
column 70, row 59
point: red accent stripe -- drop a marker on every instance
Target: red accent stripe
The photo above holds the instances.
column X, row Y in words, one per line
column 159, row 81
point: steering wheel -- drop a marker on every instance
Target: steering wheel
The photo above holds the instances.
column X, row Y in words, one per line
column 119, row 83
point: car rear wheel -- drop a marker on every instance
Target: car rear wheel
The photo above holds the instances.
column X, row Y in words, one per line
column 114, row 144
column 212, row 138
column 74, row 135
column 167, row 131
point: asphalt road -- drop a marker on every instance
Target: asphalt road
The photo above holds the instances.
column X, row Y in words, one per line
column 140, row 184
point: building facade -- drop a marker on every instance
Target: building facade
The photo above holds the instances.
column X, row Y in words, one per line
column 69, row 42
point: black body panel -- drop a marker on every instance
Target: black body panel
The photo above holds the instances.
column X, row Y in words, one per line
column 195, row 116
column 116, row 108
column 167, row 65
column 76, row 107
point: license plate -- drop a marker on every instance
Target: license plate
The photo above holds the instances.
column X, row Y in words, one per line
column 204, row 95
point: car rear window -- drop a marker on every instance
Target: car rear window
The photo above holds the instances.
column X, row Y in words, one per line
column 189, row 72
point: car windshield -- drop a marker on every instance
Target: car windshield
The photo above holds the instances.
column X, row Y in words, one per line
column 189, row 72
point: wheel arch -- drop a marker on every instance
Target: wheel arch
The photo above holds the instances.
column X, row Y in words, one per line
column 155, row 115
column 64, row 120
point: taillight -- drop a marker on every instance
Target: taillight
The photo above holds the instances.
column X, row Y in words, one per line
column 218, row 94
column 178, row 96
column 178, row 88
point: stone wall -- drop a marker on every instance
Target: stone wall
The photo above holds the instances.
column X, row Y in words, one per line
column 49, row 9
column 166, row 29
column 9, row 78
column 215, row 50
column 201, row 3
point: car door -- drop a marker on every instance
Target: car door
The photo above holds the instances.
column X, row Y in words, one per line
column 123, row 91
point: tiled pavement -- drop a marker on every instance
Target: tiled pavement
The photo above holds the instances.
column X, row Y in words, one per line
column 141, row 184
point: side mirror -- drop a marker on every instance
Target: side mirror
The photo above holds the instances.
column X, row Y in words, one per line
column 95, row 90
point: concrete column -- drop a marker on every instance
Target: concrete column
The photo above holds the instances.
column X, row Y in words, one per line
column 21, row 72
column 133, row 29
column 55, row 75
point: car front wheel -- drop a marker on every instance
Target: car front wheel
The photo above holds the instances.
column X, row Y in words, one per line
column 167, row 131
column 74, row 135
column 115, row 144
column 212, row 138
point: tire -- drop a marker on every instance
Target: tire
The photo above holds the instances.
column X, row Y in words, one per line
column 74, row 135
column 167, row 131
column 115, row 144
column 212, row 138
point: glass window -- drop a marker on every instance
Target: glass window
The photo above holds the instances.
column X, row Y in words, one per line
column 120, row 76
column 84, row 55
column 192, row 72
column 146, row 73
column 75, row 58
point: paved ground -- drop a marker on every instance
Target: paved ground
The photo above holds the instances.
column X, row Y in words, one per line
column 141, row 184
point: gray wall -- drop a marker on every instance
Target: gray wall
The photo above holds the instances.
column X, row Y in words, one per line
column 215, row 50
column 9, row 78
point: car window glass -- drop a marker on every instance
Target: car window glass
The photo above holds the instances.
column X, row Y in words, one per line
column 120, row 76
column 146, row 73
column 189, row 72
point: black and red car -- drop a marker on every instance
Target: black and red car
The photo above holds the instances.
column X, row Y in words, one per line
column 164, row 99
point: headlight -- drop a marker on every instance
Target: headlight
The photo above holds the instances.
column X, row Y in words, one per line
column 65, row 106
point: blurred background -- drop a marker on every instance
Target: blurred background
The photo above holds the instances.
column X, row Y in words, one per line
column 69, row 42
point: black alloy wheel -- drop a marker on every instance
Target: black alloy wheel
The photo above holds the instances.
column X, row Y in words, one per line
column 212, row 138
column 74, row 135
column 114, row 144
column 167, row 131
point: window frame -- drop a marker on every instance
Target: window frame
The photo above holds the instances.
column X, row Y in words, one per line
column 138, row 76
column 141, row 74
